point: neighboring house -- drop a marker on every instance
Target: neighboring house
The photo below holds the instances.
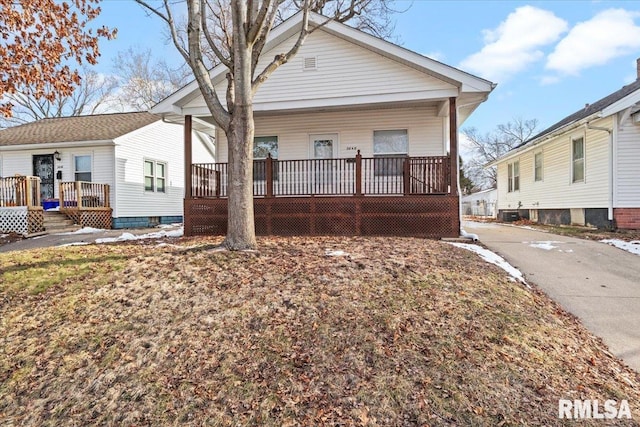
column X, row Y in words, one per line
column 583, row 170
column 128, row 164
column 349, row 115
column 480, row 203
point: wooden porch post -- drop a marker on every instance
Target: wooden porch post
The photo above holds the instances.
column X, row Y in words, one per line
column 78, row 194
column 358, row 174
column 453, row 150
column 28, row 191
column 269, row 175
column 406, row 176
column 188, row 157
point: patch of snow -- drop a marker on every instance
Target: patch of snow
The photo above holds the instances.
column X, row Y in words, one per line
column 335, row 253
column 174, row 225
column 129, row 236
column 3, row 235
column 526, row 227
column 493, row 258
column 471, row 236
column 56, row 209
column 85, row 230
column 633, row 246
column 546, row 245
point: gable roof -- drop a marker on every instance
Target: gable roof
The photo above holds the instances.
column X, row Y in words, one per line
column 100, row 127
column 626, row 97
column 590, row 109
column 464, row 81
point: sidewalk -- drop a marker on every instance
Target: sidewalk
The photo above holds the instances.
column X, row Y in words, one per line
column 88, row 236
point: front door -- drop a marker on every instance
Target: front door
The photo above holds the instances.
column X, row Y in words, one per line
column 323, row 148
column 43, row 168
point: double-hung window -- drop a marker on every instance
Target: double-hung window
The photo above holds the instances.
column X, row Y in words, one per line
column 538, row 162
column 262, row 147
column 390, row 147
column 577, row 159
column 155, row 176
column 513, row 172
column 82, row 168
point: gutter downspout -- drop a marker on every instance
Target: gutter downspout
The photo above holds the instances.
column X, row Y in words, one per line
column 610, row 166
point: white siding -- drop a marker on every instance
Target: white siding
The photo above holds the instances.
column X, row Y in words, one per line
column 21, row 162
column 355, row 131
column 628, row 166
column 556, row 191
column 344, row 70
column 162, row 142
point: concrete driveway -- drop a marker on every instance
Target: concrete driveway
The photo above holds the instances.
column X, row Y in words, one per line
column 598, row 283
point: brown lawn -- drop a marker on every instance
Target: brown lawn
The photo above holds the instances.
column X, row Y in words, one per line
column 399, row 332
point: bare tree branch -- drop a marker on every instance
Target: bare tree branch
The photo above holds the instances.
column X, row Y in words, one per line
column 91, row 96
column 493, row 145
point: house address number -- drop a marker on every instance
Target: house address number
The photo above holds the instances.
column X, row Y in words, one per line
column 352, row 148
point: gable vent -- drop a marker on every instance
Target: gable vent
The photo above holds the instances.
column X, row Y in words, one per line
column 310, row 63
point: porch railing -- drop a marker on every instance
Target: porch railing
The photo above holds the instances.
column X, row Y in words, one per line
column 20, row 191
column 332, row 177
column 83, row 195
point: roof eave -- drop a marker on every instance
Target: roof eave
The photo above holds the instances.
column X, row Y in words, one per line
column 534, row 143
column 57, row 144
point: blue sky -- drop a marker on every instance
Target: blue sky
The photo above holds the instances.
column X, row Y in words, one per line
column 549, row 58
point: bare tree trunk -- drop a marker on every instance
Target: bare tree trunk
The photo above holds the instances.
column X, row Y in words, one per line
column 240, row 222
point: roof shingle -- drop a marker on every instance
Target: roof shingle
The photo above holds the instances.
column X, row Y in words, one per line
column 588, row 110
column 100, row 127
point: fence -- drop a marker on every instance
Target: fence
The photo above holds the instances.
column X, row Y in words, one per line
column 81, row 194
column 20, row 191
column 387, row 175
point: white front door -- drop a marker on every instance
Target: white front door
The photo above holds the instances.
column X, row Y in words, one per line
column 323, row 148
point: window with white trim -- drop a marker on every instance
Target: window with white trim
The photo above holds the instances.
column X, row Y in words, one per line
column 82, row 168
column 155, row 176
column 537, row 166
column 577, row 159
column 262, row 147
column 390, row 147
column 513, row 172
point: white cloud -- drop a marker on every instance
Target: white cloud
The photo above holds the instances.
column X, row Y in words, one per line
column 549, row 80
column 515, row 44
column 609, row 34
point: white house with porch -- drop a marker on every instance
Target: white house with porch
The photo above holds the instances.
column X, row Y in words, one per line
column 355, row 135
column 110, row 170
